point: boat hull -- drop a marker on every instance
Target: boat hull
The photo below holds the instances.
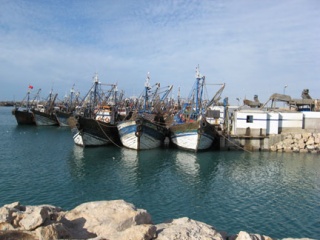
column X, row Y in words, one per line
column 24, row 117
column 194, row 136
column 45, row 119
column 93, row 133
column 77, row 138
column 141, row 134
column 63, row 118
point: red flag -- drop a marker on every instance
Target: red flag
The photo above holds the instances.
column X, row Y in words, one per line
column 31, row 87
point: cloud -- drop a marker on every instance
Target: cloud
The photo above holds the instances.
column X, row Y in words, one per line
column 255, row 47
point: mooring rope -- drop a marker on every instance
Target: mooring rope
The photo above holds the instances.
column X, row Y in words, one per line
column 236, row 144
column 107, row 134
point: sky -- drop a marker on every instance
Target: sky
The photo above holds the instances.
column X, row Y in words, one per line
column 254, row 47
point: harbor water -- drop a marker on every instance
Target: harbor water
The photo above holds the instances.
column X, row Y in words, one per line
column 275, row 194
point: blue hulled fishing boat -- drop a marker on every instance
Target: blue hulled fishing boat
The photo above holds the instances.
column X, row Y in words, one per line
column 145, row 127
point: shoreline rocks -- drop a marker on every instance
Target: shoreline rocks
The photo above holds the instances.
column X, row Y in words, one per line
column 101, row 220
column 298, row 142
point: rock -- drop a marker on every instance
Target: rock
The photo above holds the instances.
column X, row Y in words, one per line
column 296, row 149
column 187, row 229
column 297, row 239
column 273, row 148
column 310, row 147
column 103, row 220
column 108, row 219
column 12, row 235
column 288, row 149
column 139, row 232
column 246, row 236
column 301, row 144
column 279, row 146
column 288, row 136
column 35, row 216
column 297, row 136
column 310, row 141
column 4, row 226
column 7, row 211
column 306, row 135
column 288, row 141
column 53, row 231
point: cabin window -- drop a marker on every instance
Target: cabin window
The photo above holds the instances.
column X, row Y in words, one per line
column 249, row 119
column 213, row 114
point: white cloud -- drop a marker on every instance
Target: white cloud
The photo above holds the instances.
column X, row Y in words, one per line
column 256, row 47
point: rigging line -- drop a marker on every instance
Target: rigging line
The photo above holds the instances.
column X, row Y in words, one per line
column 107, row 135
column 236, row 144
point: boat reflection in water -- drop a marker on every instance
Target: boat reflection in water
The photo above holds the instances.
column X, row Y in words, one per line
column 77, row 162
column 78, row 153
column 129, row 157
column 198, row 170
column 187, row 163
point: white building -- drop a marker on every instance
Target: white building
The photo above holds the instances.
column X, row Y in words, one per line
column 257, row 122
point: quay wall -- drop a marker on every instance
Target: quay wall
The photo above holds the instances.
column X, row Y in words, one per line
column 295, row 141
column 311, row 121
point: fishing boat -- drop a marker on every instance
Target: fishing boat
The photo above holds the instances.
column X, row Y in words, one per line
column 96, row 123
column 98, row 131
column 65, row 111
column 145, row 127
column 22, row 112
column 190, row 129
column 44, row 113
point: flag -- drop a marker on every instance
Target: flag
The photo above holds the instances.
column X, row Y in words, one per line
column 31, row 87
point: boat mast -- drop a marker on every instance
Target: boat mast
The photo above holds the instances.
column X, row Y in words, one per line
column 147, row 87
column 199, row 90
column 48, row 105
column 28, row 99
column 71, row 96
column 198, row 78
column 179, row 104
column 96, row 82
column 36, row 96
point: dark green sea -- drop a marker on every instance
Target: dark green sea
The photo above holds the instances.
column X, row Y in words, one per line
column 275, row 194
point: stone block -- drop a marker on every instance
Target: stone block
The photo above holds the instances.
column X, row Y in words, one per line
column 310, row 147
column 298, row 136
column 296, row 149
column 310, row 141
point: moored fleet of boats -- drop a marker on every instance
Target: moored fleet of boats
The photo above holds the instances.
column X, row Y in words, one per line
column 105, row 117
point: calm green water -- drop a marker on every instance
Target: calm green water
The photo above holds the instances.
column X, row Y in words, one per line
column 268, row 193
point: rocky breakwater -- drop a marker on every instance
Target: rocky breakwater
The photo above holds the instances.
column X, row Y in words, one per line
column 102, row 220
column 298, row 142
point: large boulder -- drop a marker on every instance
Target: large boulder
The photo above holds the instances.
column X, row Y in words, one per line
column 298, row 239
column 187, row 229
column 102, row 220
column 13, row 235
column 36, row 216
column 7, row 211
column 109, row 219
column 242, row 235
column 26, row 218
column 52, row 231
